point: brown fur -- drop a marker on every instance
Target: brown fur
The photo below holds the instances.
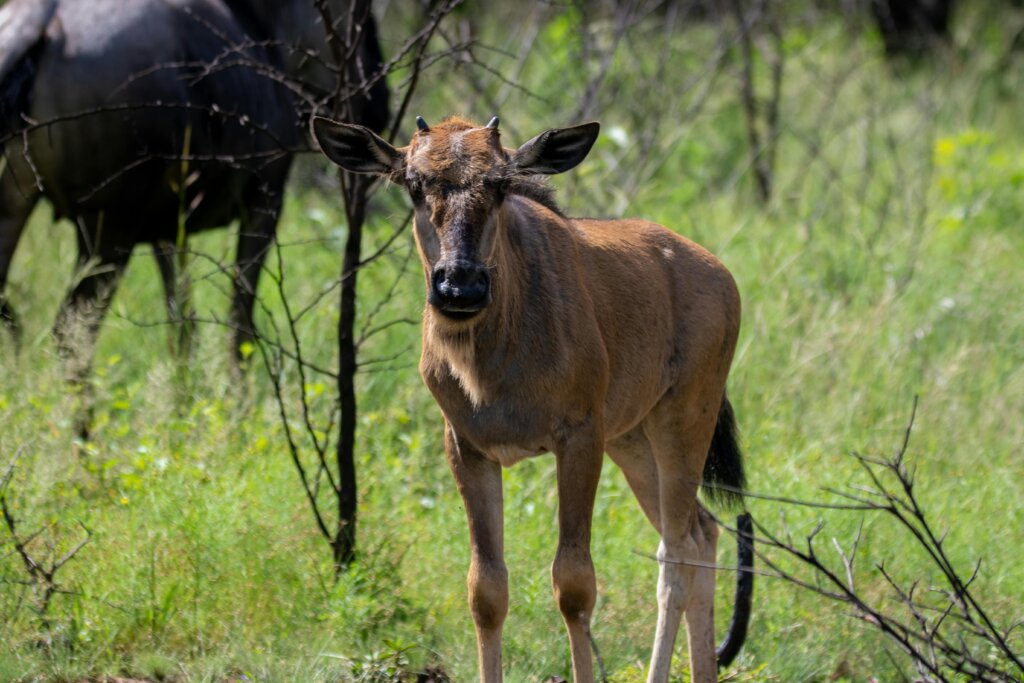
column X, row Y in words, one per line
column 599, row 336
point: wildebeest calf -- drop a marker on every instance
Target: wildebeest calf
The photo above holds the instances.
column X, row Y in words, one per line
column 544, row 333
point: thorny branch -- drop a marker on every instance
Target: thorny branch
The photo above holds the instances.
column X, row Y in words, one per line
column 42, row 574
column 762, row 143
column 339, row 474
column 625, row 17
column 944, row 630
column 421, row 40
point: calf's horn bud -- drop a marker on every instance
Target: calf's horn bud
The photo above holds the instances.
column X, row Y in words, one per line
column 493, row 123
column 422, row 125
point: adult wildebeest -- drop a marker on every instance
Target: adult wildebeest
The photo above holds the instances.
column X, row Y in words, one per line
column 912, row 27
column 544, row 333
column 145, row 120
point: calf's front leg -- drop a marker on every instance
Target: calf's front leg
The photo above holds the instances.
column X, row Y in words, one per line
column 572, row 573
column 479, row 483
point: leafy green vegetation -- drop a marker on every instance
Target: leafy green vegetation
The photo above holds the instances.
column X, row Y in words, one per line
column 886, row 266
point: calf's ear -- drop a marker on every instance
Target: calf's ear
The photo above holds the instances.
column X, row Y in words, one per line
column 355, row 148
column 556, row 150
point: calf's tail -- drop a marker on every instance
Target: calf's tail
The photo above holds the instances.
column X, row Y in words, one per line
column 724, row 481
column 737, row 633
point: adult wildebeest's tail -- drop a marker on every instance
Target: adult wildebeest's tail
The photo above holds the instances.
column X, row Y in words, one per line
column 22, row 27
column 724, row 481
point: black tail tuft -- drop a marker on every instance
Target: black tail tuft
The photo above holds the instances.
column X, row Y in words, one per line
column 737, row 633
column 724, row 479
column 724, row 482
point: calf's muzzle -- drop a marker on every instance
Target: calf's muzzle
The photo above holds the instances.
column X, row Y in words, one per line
column 460, row 289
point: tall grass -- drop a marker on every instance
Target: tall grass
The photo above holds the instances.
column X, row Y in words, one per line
column 886, row 266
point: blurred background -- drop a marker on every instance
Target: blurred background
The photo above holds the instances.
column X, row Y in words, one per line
column 857, row 165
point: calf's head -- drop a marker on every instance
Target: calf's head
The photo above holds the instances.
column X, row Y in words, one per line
column 458, row 175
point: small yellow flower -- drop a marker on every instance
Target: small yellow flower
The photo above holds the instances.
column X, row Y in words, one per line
column 945, row 148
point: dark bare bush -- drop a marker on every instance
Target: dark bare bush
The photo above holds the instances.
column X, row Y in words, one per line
column 41, row 565
column 321, row 464
column 225, row 124
column 939, row 622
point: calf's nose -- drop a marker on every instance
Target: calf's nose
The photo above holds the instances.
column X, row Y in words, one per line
column 460, row 287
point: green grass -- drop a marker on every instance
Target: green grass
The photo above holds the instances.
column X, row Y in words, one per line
column 885, row 267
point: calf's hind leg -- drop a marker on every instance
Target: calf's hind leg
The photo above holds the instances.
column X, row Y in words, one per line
column 632, row 453
column 680, row 440
column 700, row 613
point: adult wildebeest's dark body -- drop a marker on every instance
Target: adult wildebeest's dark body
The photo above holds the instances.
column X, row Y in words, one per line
column 912, row 27
column 161, row 110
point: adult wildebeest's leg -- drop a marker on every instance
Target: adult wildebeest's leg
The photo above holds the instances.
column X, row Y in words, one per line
column 99, row 267
column 101, row 263
column 680, row 436
column 255, row 238
column 572, row 573
column 15, row 206
column 258, row 224
column 479, row 482
column 178, row 298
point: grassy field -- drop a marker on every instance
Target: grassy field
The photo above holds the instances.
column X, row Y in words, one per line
column 886, row 266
